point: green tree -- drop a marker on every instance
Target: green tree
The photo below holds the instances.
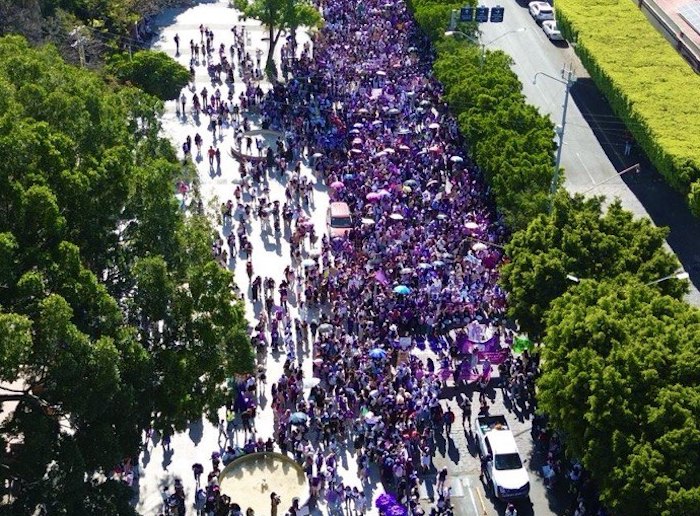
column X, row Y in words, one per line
column 156, row 73
column 279, row 16
column 619, row 383
column 113, row 313
column 510, row 140
column 577, row 238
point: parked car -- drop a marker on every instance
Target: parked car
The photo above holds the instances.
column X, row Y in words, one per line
column 504, row 470
column 541, row 11
column 551, row 31
column 339, row 220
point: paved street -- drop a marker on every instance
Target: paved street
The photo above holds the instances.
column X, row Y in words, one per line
column 594, row 137
column 160, row 468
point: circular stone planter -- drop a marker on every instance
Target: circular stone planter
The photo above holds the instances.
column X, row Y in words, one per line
column 249, row 480
column 266, row 134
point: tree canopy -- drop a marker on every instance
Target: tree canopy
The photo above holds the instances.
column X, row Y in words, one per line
column 622, row 380
column 577, row 238
column 279, row 16
column 113, row 313
column 156, row 73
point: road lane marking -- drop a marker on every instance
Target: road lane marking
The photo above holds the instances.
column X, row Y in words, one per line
column 586, row 169
column 471, row 495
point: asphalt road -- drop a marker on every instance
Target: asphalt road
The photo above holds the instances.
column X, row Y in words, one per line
column 593, row 150
column 459, row 453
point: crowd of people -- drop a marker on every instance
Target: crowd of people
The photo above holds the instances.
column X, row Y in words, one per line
column 419, row 265
column 418, row 262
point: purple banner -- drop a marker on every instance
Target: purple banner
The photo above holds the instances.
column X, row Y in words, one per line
column 495, row 357
column 491, row 345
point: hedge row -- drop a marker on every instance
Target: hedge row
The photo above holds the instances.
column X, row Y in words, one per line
column 648, row 84
column 510, row 141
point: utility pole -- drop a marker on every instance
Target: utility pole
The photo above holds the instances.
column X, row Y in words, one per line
column 568, row 79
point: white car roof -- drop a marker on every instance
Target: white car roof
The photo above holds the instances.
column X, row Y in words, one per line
column 502, row 441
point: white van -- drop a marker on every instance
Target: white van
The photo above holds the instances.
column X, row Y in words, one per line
column 505, row 473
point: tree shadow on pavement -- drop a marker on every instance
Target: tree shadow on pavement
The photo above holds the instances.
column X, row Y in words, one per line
column 196, row 430
column 666, row 206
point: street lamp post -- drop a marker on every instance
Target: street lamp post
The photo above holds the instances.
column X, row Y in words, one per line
column 679, row 275
column 570, row 80
column 477, row 40
column 636, row 167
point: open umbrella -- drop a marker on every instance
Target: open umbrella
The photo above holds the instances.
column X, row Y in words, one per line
column 456, row 159
column 438, row 263
column 404, row 147
column 371, row 419
column 356, row 151
column 411, row 182
column 381, row 72
column 317, row 155
column 325, row 328
column 406, row 270
column 404, row 130
column 357, row 141
column 425, row 102
column 337, row 185
column 310, row 383
column 298, row 418
column 424, row 266
column 441, row 216
column 377, row 122
column 358, row 125
column 309, row 263
column 354, row 131
column 479, row 246
column 384, row 193
column 389, row 150
column 362, row 111
column 402, row 289
column 373, row 196
column 377, row 353
column 407, row 189
column 318, row 361
column 434, row 125
column 368, row 222
column 396, row 216
column 471, row 225
column 380, row 154
column 393, row 111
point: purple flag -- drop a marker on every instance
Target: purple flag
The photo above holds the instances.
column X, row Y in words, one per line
column 381, row 278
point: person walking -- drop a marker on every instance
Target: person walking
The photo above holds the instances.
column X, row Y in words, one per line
column 177, row 44
column 442, row 478
column 466, row 406
column 197, row 469
column 275, row 500
column 448, row 418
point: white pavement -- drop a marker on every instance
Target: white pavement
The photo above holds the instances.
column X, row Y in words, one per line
column 159, row 469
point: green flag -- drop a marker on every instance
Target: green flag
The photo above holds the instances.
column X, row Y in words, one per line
column 521, row 344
